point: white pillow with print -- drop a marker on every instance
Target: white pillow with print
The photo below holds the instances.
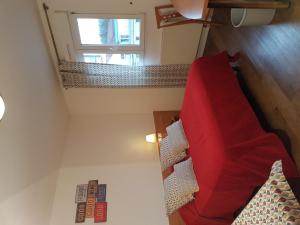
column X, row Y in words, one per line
column 177, row 139
column 168, row 157
column 186, row 177
column 274, row 203
column 174, row 199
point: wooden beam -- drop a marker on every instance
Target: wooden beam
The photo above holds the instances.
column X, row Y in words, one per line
column 253, row 4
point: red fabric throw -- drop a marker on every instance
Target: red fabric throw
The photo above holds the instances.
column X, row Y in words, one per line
column 231, row 153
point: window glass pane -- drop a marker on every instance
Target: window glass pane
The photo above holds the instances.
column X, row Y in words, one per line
column 121, row 59
column 94, row 31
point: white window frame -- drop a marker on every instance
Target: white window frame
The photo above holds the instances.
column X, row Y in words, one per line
column 79, row 53
column 107, row 48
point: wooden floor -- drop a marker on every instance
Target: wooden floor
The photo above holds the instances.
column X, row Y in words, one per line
column 270, row 64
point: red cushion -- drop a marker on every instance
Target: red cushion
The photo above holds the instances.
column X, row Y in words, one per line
column 231, row 152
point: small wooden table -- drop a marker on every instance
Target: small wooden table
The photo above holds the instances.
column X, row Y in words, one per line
column 198, row 9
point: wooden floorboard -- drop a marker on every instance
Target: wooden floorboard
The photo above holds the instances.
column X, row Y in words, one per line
column 270, row 64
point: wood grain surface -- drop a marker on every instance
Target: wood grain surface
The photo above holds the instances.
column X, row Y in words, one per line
column 198, row 9
column 270, row 64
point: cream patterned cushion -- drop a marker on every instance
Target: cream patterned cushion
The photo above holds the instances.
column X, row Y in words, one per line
column 186, row 177
column 177, row 139
column 168, row 157
column 173, row 198
column 274, row 204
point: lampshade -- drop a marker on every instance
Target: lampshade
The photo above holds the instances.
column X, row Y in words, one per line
column 151, row 138
column 2, row 107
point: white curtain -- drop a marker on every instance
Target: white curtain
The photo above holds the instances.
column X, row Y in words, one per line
column 94, row 75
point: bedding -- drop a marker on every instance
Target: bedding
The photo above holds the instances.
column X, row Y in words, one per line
column 231, row 153
column 176, row 137
column 174, row 198
column 168, row 157
column 186, row 177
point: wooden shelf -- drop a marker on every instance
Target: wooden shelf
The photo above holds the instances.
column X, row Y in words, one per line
column 162, row 119
column 255, row 4
column 198, row 9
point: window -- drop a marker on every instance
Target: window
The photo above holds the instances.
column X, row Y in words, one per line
column 113, row 39
column 128, row 59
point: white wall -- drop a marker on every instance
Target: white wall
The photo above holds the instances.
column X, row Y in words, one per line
column 33, row 130
column 112, row 149
column 114, row 101
column 180, row 43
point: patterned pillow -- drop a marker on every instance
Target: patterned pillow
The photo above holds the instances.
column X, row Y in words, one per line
column 173, row 198
column 177, row 139
column 275, row 203
column 186, row 177
column 167, row 156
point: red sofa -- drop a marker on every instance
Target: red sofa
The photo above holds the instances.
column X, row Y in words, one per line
column 231, row 153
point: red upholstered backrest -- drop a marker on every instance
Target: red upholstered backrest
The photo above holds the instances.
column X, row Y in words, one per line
column 214, row 112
